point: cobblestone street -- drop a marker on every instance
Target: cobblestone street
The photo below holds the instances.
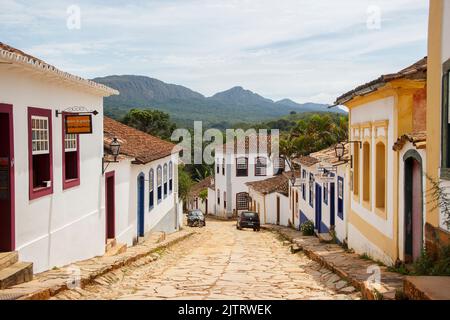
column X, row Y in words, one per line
column 220, row 262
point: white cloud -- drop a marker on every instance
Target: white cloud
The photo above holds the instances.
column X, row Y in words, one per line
column 307, row 50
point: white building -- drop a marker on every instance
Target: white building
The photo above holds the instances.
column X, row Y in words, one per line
column 322, row 192
column 235, row 165
column 269, row 198
column 142, row 188
column 51, row 209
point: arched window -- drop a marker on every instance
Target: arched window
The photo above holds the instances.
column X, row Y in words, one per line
column 170, row 177
column 380, row 189
column 242, row 201
column 159, row 182
column 261, row 166
column 366, row 172
column 356, row 170
column 241, row 167
column 165, row 179
column 151, row 188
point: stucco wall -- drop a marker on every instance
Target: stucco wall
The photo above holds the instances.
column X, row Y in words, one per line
column 68, row 225
column 160, row 218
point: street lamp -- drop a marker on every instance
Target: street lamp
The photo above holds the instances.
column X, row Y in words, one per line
column 114, row 148
column 339, row 150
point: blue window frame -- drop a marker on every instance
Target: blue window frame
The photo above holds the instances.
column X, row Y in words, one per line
column 325, row 193
column 311, row 190
column 170, row 177
column 159, row 182
column 165, row 180
column 304, row 185
column 151, row 188
column 340, row 193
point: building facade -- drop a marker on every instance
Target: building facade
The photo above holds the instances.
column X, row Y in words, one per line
column 51, row 211
column 438, row 163
column 236, row 164
column 141, row 189
column 381, row 112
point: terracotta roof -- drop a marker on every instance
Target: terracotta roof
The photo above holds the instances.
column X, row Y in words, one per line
column 11, row 55
column 202, row 185
column 306, row 160
column 417, row 71
column 279, row 183
column 328, row 155
column 139, row 145
column 418, row 139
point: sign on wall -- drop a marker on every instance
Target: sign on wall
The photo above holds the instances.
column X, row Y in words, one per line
column 78, row 124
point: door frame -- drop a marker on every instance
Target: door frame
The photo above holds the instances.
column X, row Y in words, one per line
column 332, row 204
column 408, row 241
column 11, row 245
column 278, row 211
column 141, row 205
column 110, row 177
column 318, row 208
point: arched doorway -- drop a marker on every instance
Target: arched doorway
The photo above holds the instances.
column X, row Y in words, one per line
column 140, row 204
column 413, row 197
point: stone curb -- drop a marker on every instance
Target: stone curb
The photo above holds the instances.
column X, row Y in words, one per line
column 354, row 272
column 48, row 284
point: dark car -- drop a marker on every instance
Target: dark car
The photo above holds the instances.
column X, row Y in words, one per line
column 196, row 218
column 249, row 220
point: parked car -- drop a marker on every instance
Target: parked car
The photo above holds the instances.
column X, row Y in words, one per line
column 249, row 220
column 196, row 218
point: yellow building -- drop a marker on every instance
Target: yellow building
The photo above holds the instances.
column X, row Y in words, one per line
column 386, row 117
column 438, row 120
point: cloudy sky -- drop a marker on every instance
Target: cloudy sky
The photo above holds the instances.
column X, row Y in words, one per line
column 306, row 50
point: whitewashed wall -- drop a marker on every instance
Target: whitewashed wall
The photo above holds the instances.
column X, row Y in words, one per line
column 126, row 198
column 211, row 201
column 68, row 225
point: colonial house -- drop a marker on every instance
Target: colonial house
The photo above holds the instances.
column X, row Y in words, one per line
column 302, row 192
column 196, row 201
column 319, row 192
column 386, row 213
column 145, row 177
column 269, row 198
column 237, row 163
column 438, row 153
column 333, row 180
column 51, row 211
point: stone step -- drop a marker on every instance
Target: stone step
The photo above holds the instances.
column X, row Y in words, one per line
column 117, row 249
column 8, row 258
column 325, row 237
column 17, row 273
column 110, row 243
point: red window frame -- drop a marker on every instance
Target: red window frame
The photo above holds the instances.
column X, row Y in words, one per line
column 69, row 183
column 39, row 192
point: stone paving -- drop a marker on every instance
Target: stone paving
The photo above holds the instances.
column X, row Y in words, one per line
column 220, row 262
column 373, row 280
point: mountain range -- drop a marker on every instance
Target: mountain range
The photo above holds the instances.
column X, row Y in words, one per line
column 185, row 105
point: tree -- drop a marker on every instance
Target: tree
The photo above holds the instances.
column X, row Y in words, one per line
column 153, row 122
column 184, row 183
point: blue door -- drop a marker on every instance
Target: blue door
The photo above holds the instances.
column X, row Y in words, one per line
column 340, row 207
column 318, row 217
column 332, row 204
column 140, row 205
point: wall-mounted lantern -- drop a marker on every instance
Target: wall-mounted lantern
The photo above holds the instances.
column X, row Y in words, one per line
column 339, row 149
column 114, row 148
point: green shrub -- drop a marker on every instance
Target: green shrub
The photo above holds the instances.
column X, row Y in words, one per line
column 307, row 228
column 426, row 265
